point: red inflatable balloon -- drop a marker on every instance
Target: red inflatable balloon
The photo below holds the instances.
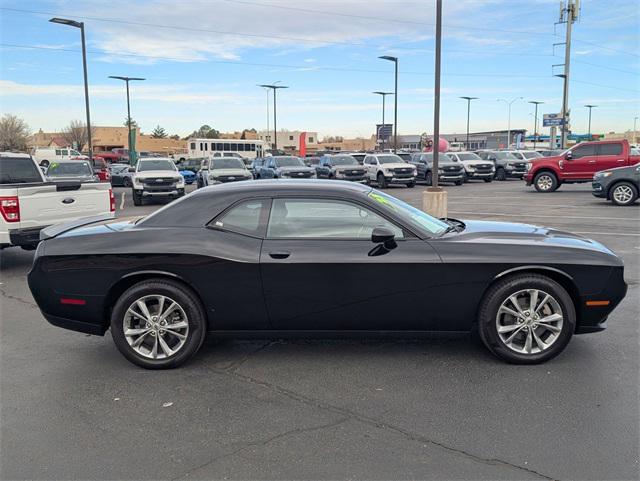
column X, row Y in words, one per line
column 443, row 145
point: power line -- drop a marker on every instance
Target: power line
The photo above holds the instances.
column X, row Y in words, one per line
column 270, row 65
column 597, row 45
column 605, row 86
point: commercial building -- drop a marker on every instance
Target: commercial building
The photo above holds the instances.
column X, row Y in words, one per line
column 349, row 145
column 289, row 140
column 496, row 139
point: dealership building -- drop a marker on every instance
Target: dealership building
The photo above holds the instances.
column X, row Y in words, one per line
column 496, row 139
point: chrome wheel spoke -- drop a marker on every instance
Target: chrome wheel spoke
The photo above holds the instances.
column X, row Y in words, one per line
column 147, row 330
column 528, row 341
column 542, row 304
column 539, row 342
column 509, row 339
column 533, row 299
column 552, row 318
column 509, row 328
column 516, row 304
column 509, row 311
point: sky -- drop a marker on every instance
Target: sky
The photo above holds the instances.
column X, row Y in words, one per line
column 203, row 59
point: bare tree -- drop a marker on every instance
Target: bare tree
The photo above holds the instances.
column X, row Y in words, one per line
column 13, row 133
column 75, row 134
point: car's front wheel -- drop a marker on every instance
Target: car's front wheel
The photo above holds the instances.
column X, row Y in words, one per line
column 501, row 174
column 428, row 178
column 526, row 319
column 382, row 182
column 137, row 198
column 158, row 324
column 126, row 182
column 545, row 182
column 624, row 193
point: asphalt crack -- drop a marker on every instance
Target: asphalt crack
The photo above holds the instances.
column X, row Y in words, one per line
column 377, row 423
column 4, row 294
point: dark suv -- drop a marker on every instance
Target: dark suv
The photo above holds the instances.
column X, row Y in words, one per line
column 341, row 167
column 448, row 169
column 285, row 166
column 507, row 165
column 620, row 185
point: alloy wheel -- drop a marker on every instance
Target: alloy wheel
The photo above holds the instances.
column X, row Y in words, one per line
column 529, row 321
column 156, row 327
column 623, row 194
column 545, row 182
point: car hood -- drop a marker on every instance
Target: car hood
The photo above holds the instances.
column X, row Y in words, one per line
column 627, row 168
column 348, row 166
column 157, row 173
column 398, row 165
column 476, row 162
column 236, row 172
column 302, row 168
column 515, row 233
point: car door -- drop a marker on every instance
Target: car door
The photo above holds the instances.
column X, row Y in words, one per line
column 610, row 156
column 320, row 269
column 581, row 163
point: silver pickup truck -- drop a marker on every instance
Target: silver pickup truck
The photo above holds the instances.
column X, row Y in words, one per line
column 28, row 202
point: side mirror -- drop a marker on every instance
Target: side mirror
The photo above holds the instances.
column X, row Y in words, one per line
column 568, row 155
column 382, row 235
column 131, row 169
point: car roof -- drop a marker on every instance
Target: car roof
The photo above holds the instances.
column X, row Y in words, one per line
column 270, row 187
column 15, row 154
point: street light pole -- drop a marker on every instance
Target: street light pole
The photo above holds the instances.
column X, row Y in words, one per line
column 535, row 121
column 80, row 25
column 132, row 156
column 395, row 102
column 635, row 136
column 383, row 94
column 589, row 129
column 468, row 99
column 274, row 87
column 509, row 103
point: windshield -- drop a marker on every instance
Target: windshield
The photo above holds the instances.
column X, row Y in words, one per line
column 343, row 160
column 69, row 168
column 635, row 151
column 146, row 165
column 410, row 214
column 441, row 158
column 390, row 159
column 222, row 163
column 469, row 156
column 289, row 162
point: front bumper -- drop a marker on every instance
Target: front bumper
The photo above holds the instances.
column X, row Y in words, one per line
column 400, row 180
column 446, row 177
column 598, row 190
column 480, row 175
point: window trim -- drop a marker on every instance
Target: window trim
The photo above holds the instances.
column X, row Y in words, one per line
column 264, row 223
column 406, row 233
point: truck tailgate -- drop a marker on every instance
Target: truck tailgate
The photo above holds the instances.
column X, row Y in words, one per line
column 52, row 204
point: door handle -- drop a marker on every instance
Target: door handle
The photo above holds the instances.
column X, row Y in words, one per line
column 592, row 161
column 279, row 255
column 620, row 160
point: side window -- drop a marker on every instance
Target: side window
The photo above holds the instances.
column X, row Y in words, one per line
column 193, row 146
column 247, row 218
column 233, row 147
column 58, row 152
column 325, row 219
column 272, row 164
column 206, row 146
column 219, row 146
column 610, row 149
column 583, row 151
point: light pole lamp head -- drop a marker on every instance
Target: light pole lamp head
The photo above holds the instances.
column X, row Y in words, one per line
column 389, row 58
column 126, row 79
column 382, row 93
column 66, row 21
column 536, row 102
column 590, row 106
column 469, row 99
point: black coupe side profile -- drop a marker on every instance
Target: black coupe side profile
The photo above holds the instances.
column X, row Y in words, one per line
column 249, row 258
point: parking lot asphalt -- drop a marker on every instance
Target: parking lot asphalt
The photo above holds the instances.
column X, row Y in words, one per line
column 71, row 407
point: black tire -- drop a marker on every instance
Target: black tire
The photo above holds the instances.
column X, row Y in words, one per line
column 428, row 177
column 411, row 185
column 137, row 198
column 501, row 174
column 44, row 163
column 459, row 182
column 623, row 193
column 126, row 182
column 382, row 182
column 500, row 292
column 175, row 291
column 545, row 182
column 488, row 180
column 465, row 177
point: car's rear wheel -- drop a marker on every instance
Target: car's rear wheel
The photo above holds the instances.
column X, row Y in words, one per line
column 137, row 198
column 158, row 324
column 465, row 177
column 126, row 182
column 526, row 319
column 411, row 185
column 501, row 174
column 428, row 178
column 459, row 182
column 545, row 182
column 624, row 193
column 488, row 180
column 382, row 182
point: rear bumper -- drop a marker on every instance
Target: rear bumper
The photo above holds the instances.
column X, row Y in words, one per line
column 25, row 237
column 594, row 318
column 73, row 325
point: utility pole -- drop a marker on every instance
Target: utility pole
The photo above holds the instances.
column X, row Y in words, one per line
column 468, row 99
column 274, row 87
column 80, row 25
column 383, row 95
column 132, row 154
column 535, row 122
column 569, row 10
column 635, row 135
column 590, row 107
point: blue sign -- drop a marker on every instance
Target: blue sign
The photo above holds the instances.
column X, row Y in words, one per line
column 384, row 131
column 552, row 120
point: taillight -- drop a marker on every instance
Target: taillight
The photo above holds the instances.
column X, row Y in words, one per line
column 112, row 201
column 10, row 208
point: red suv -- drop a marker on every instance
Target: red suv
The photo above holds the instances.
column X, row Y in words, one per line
column 578, row 164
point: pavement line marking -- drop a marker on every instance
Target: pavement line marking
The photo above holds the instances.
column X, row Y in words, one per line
column 537, row 215
column 604, row 206
column 122, row 202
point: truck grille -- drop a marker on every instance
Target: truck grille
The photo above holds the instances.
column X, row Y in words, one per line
column 484, row 167
column 354, row 173
column 300, row 175
column 158, row 182
column 230, row 178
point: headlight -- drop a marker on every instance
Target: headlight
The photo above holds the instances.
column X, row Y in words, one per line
column 470, row 168
column 602, row 175
column 387, row 171
column 528, row 165
column 284, row 174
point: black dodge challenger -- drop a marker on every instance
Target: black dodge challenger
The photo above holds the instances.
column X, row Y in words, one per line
column 322, row 258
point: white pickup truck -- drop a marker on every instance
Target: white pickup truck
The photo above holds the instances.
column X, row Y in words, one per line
column 28, row 202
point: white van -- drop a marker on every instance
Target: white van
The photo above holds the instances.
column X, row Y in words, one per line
column 46, row 155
